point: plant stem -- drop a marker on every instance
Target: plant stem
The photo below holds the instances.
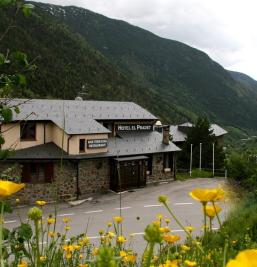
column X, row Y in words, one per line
column 149, row 255
column 181, row 226
column 225, row 254
column 205, row 219
column 1, row 233
column 216, row 213
column 37, row 244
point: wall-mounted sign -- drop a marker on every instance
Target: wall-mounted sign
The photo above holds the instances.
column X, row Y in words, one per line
column 97, row 143
column 134, row 127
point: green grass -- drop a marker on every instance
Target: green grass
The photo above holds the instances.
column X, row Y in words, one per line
column 196, row 173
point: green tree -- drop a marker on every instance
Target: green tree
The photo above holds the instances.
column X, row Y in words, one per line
column 201, row 133
column 13, row 66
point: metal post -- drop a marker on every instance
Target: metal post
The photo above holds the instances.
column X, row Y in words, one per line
column 191, row 160
column 200, row 160
column 213, row 159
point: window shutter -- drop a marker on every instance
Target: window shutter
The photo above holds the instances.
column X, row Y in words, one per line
column 49, row 172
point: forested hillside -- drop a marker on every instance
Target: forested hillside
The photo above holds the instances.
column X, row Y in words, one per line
column 118, row 61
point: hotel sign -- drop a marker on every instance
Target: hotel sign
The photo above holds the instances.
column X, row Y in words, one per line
column 97, row 143
column 134, row 127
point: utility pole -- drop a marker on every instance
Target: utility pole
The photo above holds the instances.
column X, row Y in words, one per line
column 191, row 160
column 213, row 158
column 200, row 160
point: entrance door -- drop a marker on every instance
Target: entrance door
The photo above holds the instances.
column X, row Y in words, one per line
column 132, row 174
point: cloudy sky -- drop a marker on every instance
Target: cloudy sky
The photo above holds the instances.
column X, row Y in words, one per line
column 225, row 29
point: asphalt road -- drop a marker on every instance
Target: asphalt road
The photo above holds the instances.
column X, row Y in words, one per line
column 139, row 208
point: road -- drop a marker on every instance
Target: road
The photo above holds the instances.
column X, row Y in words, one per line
column 138, row 207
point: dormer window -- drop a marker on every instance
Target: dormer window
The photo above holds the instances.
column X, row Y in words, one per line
column 81, row 145
column 28, row 131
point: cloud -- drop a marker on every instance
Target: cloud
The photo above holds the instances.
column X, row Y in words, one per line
column 223, row 29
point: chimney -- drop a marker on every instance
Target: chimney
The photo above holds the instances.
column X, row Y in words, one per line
column 166, row 134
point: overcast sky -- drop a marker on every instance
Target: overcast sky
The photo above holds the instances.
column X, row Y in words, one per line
column 225, row 29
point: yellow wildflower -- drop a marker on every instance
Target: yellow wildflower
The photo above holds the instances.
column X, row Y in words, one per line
column 95, row 251
column 51, row 234
column 130, row 259
column 167, row 221
column 83, row 265
column 164, row 230
column 185, row 248
column 123, row 253
column 163, row 199
column 118, row 219
column 101, row 232
column 51, row 221
column 8, row 188
column 77, row 247
column 203, row 195
column 171, row 238
column 210, row 210
column 68, row 255
column 67, row 228
column 66, row 220
column 159, row 216
column 41, row 203
column 111, row 234
column 245, row 258
column 42, row 258
column 157, row 223
column 22, row 264
column 121, row 239
column 190, row 263
column 109, row 224
column 81, row 256
column 190, row 229
column 168, row 263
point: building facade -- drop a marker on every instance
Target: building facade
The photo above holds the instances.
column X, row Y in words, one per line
column 73, row 148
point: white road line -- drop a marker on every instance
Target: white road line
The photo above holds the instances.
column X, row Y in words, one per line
column 93, row 211
column 183, row 203
column 123, row 208
column 65, row 214
column 154, row 205
column 10, row 221
column 178, row 230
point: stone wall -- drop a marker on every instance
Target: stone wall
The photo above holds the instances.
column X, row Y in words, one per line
column 158, row 173
column 94, row 176
column 65, row 184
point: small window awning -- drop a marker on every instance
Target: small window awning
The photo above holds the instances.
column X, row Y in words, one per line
column 131, row 158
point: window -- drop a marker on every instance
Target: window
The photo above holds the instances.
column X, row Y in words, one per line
column 81, row 145
column 37, row 173
column 167, row 161
column 28, row 131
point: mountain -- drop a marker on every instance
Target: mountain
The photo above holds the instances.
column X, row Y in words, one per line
column 244, row 79
column 118, row 61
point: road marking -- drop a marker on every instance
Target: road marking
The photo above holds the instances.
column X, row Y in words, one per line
column 123, row 208
column 10, row 221
column 93, row 211
column 178, row 230
column 183, row 203
column 65, row 214
column 154, row 205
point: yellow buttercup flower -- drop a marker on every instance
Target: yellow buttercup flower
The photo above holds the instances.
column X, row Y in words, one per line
column 83, row 265
column 190, row 229
column 164, row 230
column 22, row 264
column 8, row 188
column 41, row 203
column 66, row 220
column 167, row 221
column 123, row 253
column 109, row 224
column 190, row 263
column 95, row 251
column 185, row 248
column 157, row 223
column 51, row 221
column 203, row 195
column 245, row 258
column 42, row 258
column 121, row 239
column 210, row 210
column 67, row 228
column 171, row 238
column 51, row 234
column 130, row 259
column 68, row 255
column 118, row 219
column 163, row 199
column 169, row 263
column 159, row 216
column 111, row 234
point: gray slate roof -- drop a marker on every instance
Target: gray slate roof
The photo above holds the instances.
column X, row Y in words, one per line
column 179, row 136
column 129, row 144
column 80, row 116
